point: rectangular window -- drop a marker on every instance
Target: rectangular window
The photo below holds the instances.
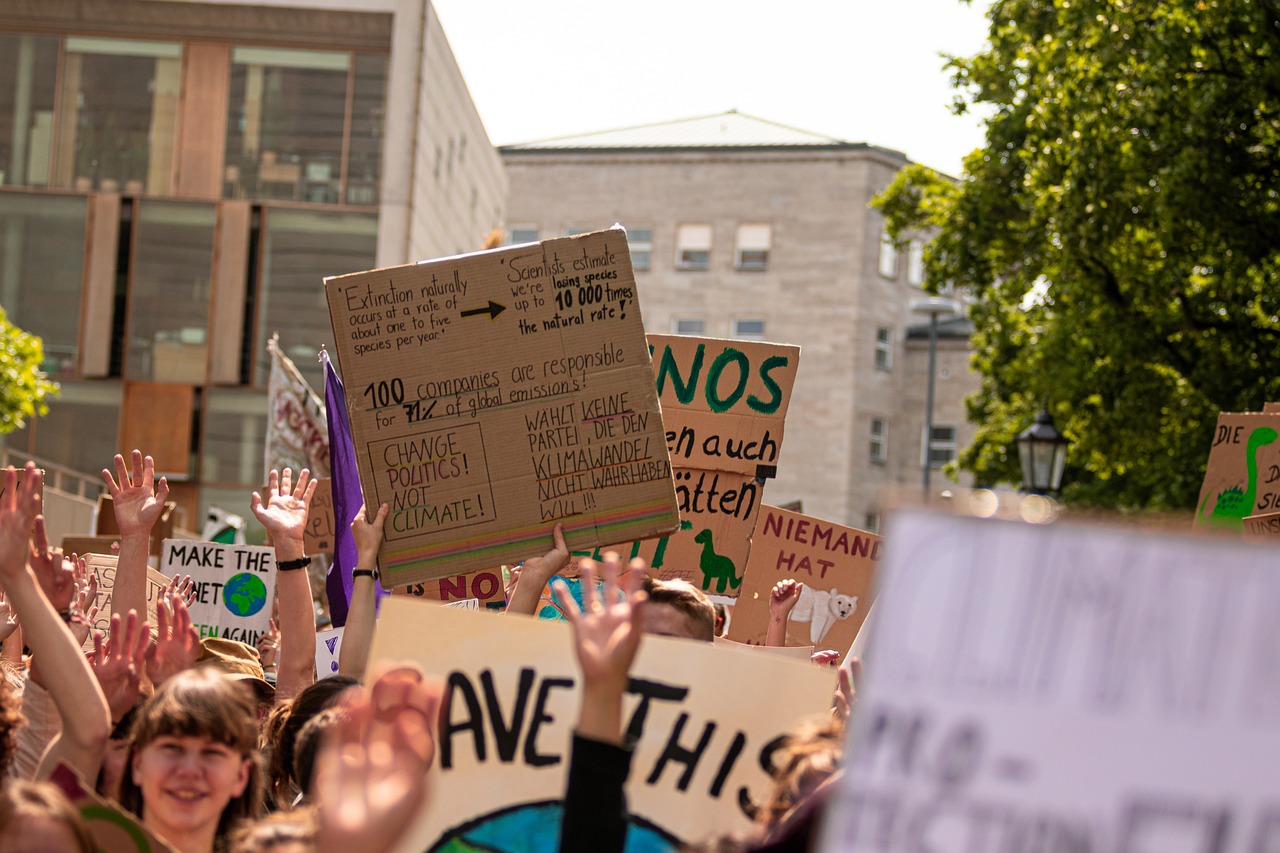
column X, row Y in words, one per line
column 118, row 115
column 748, row 330
column 942, row 446
column 28, row 71
column 80, row 430
column 688, row 326
column 169, row 297
column 522, row 234
column 915, row 263
column 299, row 248
column 871, row 522
column 234, row 429
column 42, row 240
column 888, row 256
column 641, row 242
column 753, row 247
column 879, row 442
column 884, row 348
column 693, row 247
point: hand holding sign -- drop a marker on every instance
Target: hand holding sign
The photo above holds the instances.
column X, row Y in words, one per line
column 534, row 574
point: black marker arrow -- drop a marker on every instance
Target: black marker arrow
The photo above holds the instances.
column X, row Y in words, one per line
column 493, row 310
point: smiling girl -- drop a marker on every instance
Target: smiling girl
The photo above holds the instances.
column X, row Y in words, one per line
column 192, row 770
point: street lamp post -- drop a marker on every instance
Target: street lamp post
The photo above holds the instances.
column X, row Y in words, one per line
column 935, row 307
column 1042, row 453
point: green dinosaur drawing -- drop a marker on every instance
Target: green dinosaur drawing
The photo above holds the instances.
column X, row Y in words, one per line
column 1235, row 503
column 715, row 566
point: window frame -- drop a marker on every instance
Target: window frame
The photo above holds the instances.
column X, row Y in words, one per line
column 762, row 247
column 878, row 450
column 884, row 348
column 686, row 245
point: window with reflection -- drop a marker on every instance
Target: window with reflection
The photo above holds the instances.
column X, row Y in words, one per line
column 235, row 430
column 41, row 261
column 300, row 248
column 293, row 114
column 118, row 114
column 169, row 295
column 81, row 430
column 28, row 71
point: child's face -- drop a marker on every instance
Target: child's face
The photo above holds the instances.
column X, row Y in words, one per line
column 186, row 782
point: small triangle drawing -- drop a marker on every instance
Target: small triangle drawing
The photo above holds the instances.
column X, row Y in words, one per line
column 331, row 643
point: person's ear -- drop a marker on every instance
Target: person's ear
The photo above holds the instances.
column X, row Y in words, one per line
column 242, row 780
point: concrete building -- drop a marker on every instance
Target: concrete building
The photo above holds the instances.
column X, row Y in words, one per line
column 744, row 228
column 175, row 180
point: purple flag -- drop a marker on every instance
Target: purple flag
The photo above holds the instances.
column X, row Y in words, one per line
column 346, row 494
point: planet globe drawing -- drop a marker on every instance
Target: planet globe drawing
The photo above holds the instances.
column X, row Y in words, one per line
column 244, row 594
column 535, row 828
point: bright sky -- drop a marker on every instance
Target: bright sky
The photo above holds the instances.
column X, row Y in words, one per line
column 859, row 70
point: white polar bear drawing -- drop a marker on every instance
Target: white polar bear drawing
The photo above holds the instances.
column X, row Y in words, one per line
column 821, row 608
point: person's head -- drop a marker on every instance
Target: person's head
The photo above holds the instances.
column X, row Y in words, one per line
column 812, row 753
column 241, row 662
column 293, row 831
column 307, row 746
column 678, row 609
column 36, row 816
column 192, row 767
column 116, row 755
column 311, row 701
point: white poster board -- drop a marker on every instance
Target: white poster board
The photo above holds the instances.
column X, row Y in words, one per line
column 1082, row 689
column 504, row 749
column 234, row 586
column 328, row 647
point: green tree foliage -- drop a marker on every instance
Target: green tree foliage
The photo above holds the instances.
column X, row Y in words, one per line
column 1120, row 232
column 23, row 388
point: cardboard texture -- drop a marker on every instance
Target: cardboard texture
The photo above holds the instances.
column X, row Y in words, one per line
column 491, row 395
column 485, row 587
column 503, row 753
column 112, row 828
column 801, row 653
column 836, row 564
column 1262, row 528
column 1242, row 477
column 1271, row 408
column 1090, row 688
column 234, row 586
column 85, row 545
column 104, row 567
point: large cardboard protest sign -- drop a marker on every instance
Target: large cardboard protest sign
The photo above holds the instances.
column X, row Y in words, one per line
column 836, row 564
column 706, row 719
column 234, row 586
column 103, row 567
column 1077, row 688
column 485, row 587
column 1242, row 477
column 112, row 829
column 494, row 394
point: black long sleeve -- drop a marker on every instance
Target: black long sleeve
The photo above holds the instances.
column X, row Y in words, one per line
column 595, row 803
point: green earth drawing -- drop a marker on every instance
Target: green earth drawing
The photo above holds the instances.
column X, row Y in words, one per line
column 245, row 594
column 535, row 828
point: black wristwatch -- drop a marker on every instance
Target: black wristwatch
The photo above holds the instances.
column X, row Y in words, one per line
column 364, row 573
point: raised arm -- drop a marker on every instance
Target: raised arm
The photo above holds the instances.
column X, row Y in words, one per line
column 782, row 600
column 138, row 502
column 86, row 722
column 357, row 636
column 282, row 510
column 535, row 573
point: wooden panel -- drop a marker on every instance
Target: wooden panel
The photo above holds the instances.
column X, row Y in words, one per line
column 226, row 315
column 99, row 287
column 202, row 123
column 156, row 419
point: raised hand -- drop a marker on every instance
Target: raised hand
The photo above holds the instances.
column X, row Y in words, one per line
column 55, row 574
column 268, row 645
column 282, row 508
column 137, row 499
column 531, row 577
column 8, row 622
column 19, row 506
column 371, row 773
column 367, row 533
column 782, row 600
column 118, row 660
column 177, row 643
column 181, row 586
column 606, row 632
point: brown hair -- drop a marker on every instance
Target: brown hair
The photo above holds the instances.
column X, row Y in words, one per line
column 11, row 718
column 811, row 754
column 200, row 703
column 21, row 799
column 698, row 613
column 297, row 826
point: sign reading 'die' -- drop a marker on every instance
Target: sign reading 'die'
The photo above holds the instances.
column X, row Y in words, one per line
column 1060, row 687
column 234, row 586
column 1242, row 476
column 706, row 721
column 494, row 394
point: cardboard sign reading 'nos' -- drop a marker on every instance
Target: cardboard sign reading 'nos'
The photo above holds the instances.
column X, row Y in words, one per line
column 494, row 394
column 723, row 407
column 1242, row 477
column 836, row 564
column 1093, row 689
column 707, row 720
column 234, row 586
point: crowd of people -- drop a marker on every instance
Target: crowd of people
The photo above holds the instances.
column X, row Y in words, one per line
column 211, row 750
